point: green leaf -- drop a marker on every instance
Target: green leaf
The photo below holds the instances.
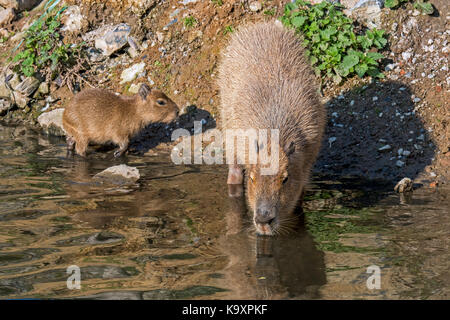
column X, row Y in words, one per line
column 391, row 3
column 374, row 55
column 349, row 61
column 298, row 21
column 361, row 69
column 424, row 7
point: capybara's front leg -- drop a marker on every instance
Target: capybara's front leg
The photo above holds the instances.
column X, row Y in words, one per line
column 70, row 143
column 123, row 146
column 235, row 180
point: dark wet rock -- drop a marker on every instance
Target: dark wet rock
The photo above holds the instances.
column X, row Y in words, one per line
column 113, row 39
column 51, row 122
column 121, row 175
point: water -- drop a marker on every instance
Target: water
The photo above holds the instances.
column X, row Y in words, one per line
column 176, row 234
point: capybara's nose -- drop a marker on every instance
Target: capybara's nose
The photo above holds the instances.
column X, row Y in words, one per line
column 264, row 214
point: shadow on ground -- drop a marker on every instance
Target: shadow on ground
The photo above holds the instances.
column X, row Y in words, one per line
column 374, row 133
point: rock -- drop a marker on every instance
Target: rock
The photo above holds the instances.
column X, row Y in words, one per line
column 132, row 72
column 331, row 140
column 6, row 16
column 194, row 36
column 10, row 78
column 19, row 5
column 368, row 11
column 255, row 6
column 399, row 163
column 384, row 148
column 95, row 55
column 43, row 88
column 160, row 36
column 134, row 47
column 121, row 174
column 51, row 122
column 28, row 86
column 114, row 39
column 20, row 100
column 72, row 20
column 406, row 153
column 134, row 88
column 404, row 185
column 5, row 105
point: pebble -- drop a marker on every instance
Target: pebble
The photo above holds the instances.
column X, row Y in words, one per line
column 385, row 148
column 399, row 163
column 375, row 98
column 331, row 140
column 255, row 6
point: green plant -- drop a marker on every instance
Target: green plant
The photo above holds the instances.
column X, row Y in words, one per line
column 190, row 22
column 270, row 12
column 424, row 7
column 217, row 2
column 421, row 5
column 43, row 48
column 335, row 49
column 228, row 29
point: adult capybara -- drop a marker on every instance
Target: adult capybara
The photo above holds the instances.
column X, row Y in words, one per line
column 266, row 82
column 100, row 116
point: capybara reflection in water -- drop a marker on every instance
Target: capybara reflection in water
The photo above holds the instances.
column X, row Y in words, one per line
column 266, row 82
column 100, row 116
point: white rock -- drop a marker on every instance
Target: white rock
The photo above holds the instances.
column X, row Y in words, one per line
column 72, row 19
column 255, row 6
column 6, row 16
column 51, row 122
column 134, row 88
column 132, row 72
column 385, row 148
column 406, row 153
column 114, row 39
column 121, row 174
column 375, row 98
column 406, row 55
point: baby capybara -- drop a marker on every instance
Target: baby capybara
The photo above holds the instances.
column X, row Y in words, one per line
column 266, row 82
column 100, row 116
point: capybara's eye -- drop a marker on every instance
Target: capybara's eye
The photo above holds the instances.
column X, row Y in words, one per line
column 285, row 179
column 161, row 102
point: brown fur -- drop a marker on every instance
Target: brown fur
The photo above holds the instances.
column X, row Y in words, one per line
column 267, row 83
column 100, row 116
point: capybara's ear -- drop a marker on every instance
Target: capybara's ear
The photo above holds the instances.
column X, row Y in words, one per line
column 144, row 91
